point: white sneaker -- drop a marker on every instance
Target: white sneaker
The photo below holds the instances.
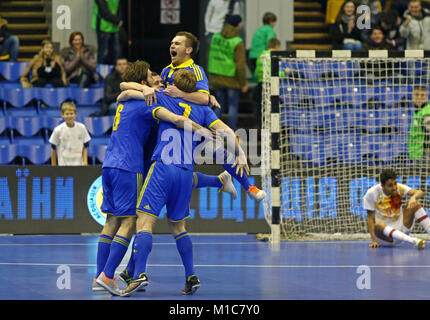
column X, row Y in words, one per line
column 97, row 287
column 256, row 194
column 420, row 244
column 228, row 185
column 109, row 284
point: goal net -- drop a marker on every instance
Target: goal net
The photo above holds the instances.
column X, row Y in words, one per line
column 334, row 123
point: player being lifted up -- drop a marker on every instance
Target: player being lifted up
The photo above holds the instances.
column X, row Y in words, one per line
column 123, row 175
column 183, row 48
column 390, row 222
column 169, row 182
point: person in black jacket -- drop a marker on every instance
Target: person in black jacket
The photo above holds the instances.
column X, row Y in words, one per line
column 112, row 88
column 8, row 44
column 390, row 27
column 344, row 32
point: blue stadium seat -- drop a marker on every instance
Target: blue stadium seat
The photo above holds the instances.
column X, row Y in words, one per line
column 12, row 70
column 97, row 152
column 84, row 111
column 98, row 126
column 8, row 152
column 299, row 120
column 29, row 141
column 29, row 111
column 51, row 122
column 88, row 95
column 104, row 69
column 401, row 118
column 19, row 97
column 103, row 140
column 35, row 154
column 27, row 126
column 54, row 97
column 4, row 124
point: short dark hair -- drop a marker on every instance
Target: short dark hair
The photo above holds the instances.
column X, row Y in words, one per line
column 191, row 41
column 273, row 43
column 269, row 17
column 73, row 35
column 136, row 72
column 185, row 80
column 386, row 175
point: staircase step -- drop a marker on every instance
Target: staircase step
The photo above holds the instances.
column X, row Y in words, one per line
column 299, row 46
column 25, row 27
column 306, row 5
column 309, row 36
column 309, row 14
column 33, row 36
column 18, row 14
column 300, row 24
column 34, row 49
column 15, row 6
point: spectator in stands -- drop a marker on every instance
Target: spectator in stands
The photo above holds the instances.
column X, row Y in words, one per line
column 374, row 6
column 46, row 68
column 377, row 41
column 216, row 12
column 227, row 67
column 107, row 23
column 9, row 45
column 344, row 32
column 416, row 26
column 80, row 61
column 419, row 134
column 111, row 86
column 260, row 39
column 389, row 26
column 70, row 139
column 273, row 45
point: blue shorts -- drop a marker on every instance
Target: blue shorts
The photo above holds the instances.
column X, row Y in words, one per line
column 120, row 192
column 166, row 185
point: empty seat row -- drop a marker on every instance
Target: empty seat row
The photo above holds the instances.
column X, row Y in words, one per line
column 325, row 149
column 52, row 97
column 41, row 154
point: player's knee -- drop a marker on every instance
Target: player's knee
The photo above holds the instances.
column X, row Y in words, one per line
column 145, row 222
column 177, row 227
column 111, row 226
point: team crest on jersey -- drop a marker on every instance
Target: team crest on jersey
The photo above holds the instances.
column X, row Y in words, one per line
column 94, row 201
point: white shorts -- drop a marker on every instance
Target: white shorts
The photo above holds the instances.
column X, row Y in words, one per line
column 398, row 225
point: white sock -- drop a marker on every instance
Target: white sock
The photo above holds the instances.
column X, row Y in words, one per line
column 423, row 219
column 398, row 235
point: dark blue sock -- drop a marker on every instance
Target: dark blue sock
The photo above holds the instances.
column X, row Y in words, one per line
column 142, row 249
column 118, row 249
column 227, row 160
column 185, row 249
column 201, row 180
column 130, row 265
column 103, row 250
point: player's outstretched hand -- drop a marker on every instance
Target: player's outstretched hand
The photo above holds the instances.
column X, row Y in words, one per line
column 213, row 102
column 149, row 94
column 240, row 163
column 374, row 244
column 173, row 91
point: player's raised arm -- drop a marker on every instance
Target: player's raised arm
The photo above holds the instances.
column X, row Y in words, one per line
column 148, row 93
column 241, row 162
column 182, row 122
column 371, row 227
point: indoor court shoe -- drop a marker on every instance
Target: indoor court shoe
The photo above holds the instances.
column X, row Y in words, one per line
column 135, row 285
column 191, row 285
column 420, row 244
column 256, row 194
column 109, row 284
column 228, row 185
column 97, row 287
column 126, row 278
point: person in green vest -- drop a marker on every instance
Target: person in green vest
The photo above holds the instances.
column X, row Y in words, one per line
column 419, row 133
column 107, row 22
column 261, row 38
column 227, row 67
column 273, row 45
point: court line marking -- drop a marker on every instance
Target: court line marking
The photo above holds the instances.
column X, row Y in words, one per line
column 215, row 265
column 194, row 243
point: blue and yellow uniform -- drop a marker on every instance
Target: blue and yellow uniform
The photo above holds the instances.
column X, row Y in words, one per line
column 169, row 180
column 202, row 81
column 123, row 167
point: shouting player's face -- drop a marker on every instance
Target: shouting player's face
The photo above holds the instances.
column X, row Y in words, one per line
column 390, row 187
column 179, row 52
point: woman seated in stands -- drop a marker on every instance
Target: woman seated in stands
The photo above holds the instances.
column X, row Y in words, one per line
column 344, row 32
column 46, row 68
column 377, row 41
column 80, row 61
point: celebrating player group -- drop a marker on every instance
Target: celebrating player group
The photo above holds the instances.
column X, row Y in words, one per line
column 143, row 171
